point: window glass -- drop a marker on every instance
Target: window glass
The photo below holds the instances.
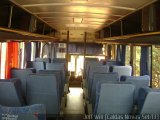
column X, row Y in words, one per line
column 137, row 55
column 3, row 59
column 128, row 55
column 155, row 67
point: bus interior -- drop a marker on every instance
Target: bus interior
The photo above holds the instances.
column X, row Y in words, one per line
column 79, row 59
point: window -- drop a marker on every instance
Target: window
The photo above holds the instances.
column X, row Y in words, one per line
column 155, row 67
column 136, row 63
column 128, row 55
column 33, row 51
column 22, row 55
column 3, row 59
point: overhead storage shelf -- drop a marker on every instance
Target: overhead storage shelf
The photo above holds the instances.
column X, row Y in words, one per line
column 144, row 38
column 10, row 34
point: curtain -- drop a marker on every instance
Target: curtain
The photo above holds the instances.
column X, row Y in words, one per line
column 28, row 51
column 144, row 61
column 38, row 49
column 11, row 57
column 118, row 56
column 92, row 49
column 123, row 54
column 109, row 52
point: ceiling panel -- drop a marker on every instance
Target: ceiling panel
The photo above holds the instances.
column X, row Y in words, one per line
column 102, row 10
column 92, row 14
column 124, row 3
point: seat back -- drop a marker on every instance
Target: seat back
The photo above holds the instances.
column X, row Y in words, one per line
column 57, row 66
column 11, row 93
column 122, row 70
column 88, row 67
column 114, row 98
column 22, row 75
column 33, row 112
column 38, row 65
column 87, row 62
column 149, row 101
column 46, row 60
column 95, row 69
column 138, row 81
column 100, row 77
column 58, row 75
column 43, row 89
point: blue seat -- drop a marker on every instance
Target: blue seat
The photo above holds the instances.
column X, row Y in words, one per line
column 138, row 82
column 46, row 60
column 11, row 93
column 87, row 63
column 114, row 98
column 33, row 112
column 87, row 68
column 105, row 77
column 122, row 70
column 22, row 75
column 95, row 69
column 38, row 66
column 58, row 75
column 149, row 101
column 43, row 89
column 57, row 66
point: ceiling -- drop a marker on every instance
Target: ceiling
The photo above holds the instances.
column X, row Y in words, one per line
column 81, row 14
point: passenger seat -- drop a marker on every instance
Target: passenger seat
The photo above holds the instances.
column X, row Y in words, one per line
column 11, row 93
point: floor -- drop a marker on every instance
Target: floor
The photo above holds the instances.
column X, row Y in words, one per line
column 75, row 104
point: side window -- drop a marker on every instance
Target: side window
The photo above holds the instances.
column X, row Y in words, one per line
column 3, row 60
column 128, row 55
column 155, row 67
column 137, row 55
column 22, row 55
column 33, row 51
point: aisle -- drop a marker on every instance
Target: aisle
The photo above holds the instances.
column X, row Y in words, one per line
column 75, row 104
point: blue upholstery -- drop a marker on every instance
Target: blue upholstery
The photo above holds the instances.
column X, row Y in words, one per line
column 95, row 69
column 114, row 98
column 43, row 89
column 149, row 101
column 22, row 75
column 138, row 81
column 122, row 70
column 58, row 75
column 100, row 77
column 10, row 93
column 57, row 66
column 86, row 65
column 38, row 65
column 46, row 60
column 33, row 112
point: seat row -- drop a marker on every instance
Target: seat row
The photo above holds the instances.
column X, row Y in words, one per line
column 49, row 60
column 46, row 87
column 96, row 96
column 118, row 98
